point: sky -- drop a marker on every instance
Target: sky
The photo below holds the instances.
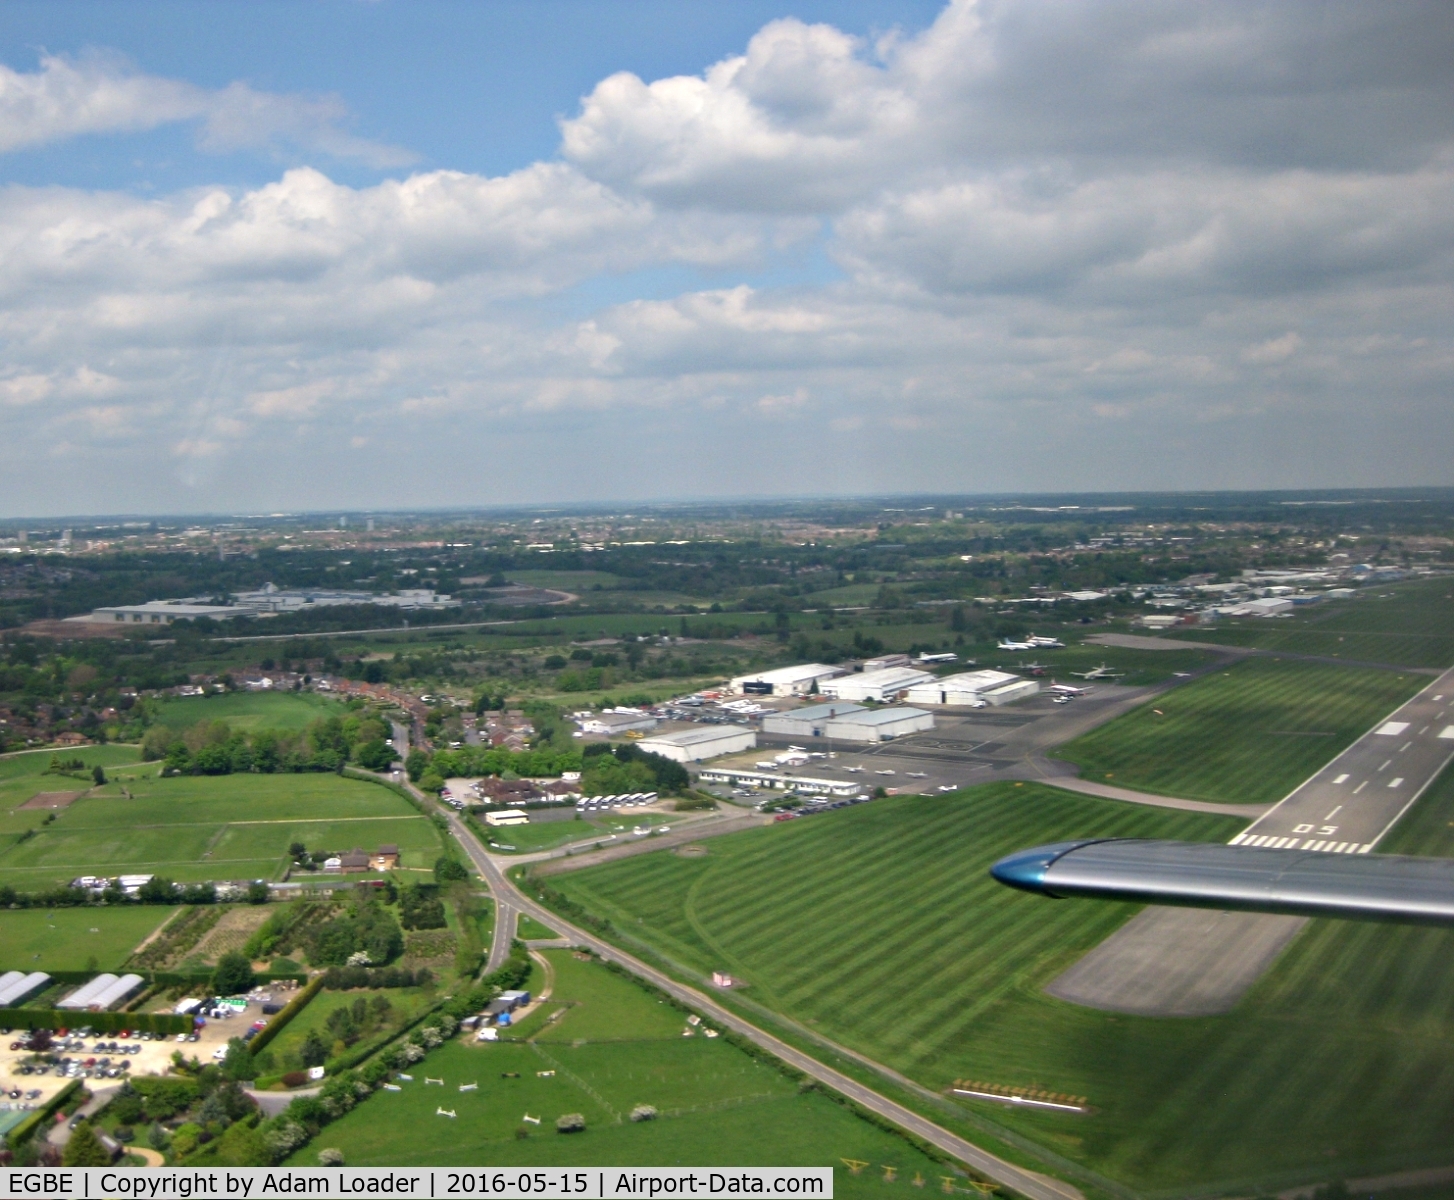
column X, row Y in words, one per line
column 405, row 253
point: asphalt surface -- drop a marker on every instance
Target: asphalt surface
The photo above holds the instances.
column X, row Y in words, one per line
column 1028, row 1183
column 1354, row 801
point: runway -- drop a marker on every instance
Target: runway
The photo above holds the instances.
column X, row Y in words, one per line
column 1352, row 802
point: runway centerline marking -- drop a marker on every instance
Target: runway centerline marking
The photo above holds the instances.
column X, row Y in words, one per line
column 1387, row 762
column 1360, row 787
column 1334, row 813
column 1393, row 783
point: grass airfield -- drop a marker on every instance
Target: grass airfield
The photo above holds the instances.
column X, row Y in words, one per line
column 619, row 1046
column 879, row 927
column 1247, row 734
column 212, row 827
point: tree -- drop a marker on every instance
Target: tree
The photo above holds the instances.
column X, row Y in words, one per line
column 448, row 869
column 233, row 974
column 375, row 756
column 85, row 1149
column 257, row 892
column 98, row 775
column 416, row 764
column 157, row 890
column 238, row 1064
column 314, row 1051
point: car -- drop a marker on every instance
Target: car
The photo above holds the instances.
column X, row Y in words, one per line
column 191, row 1037
column 181, row 1037
column 14, row 1093
column 220, row 1053
column 33, row 1094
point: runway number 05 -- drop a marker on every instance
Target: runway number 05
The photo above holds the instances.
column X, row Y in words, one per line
column 1325, row 831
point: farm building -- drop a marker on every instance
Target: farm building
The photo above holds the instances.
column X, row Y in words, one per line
column 802, row 680
column 693, row 745
column 966, row 688
column 879, row 686
column 613, row 724
column 102, row 992
column 878, row 725
column 807, row 722
column 16, row 987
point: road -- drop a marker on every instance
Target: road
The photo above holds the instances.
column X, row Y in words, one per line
column 1028, row 1183
column 1352, row 802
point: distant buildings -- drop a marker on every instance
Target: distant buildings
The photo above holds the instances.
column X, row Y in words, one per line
column 801, row 680
column 971, row 689
column 269, row 600
column 878, row 686
column 613, row 724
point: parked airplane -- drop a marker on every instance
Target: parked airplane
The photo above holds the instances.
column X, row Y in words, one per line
column 1069, row 689
column 1047, row 643
column 1006, row 644
column 1100, row 672
column 1033, row 668
column 933, row 658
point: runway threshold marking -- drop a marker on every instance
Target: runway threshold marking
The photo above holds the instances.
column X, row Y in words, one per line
column 1447, row 732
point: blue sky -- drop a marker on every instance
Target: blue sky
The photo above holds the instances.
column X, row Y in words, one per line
column 382, row 254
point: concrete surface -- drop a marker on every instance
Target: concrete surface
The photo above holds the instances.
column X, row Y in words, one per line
column 1177, row 962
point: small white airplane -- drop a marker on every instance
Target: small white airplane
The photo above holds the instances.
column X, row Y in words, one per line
column 1006, row 644
column 1047, row 643
column 1100, row 672
column 917, row 774
column 933, row 658
column 1069, row 689
column 883, row 772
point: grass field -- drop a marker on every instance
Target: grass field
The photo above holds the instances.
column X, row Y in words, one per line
column 249, row 710
column 1248, row 734
column 879, row 927
column 23, row 775
column 220, row 827
column 68, row 939
column 406, row 1004
column 529, row 927
column 717, row 1105
column 1408, row 624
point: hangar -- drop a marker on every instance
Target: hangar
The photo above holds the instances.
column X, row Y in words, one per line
column 693, row 745
column 879, row 724
column 802, row 680
column 965, row 689
column 807, row 722
column 878, row 686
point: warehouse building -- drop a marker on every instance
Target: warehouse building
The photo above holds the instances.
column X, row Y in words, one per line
column 694, row 745
column 879, row 724
column 965, row 689
column 802, row 680
column 807, row 722
column 878, row 686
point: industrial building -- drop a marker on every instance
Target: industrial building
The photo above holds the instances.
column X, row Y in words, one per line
column 694, row 745
column 1008, row 693
column 771, row 779
column 507, row 816
column 268, row 600
column 614, row 724
column 807, row 722
column 102, row 993
column 878, row 686
column 965, row 689
column 878, row 725
column 802, row 680
column 16, row 987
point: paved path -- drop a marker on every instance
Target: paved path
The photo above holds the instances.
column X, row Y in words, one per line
column 1354, row 801
column 1028, row 1183
column 1090, row 787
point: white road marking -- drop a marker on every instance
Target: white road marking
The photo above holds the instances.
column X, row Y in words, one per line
column 1342, row 778
column 1392, row 728
column 1447, row 731
column 1237, row 841
column 1393, row 783
column 1360, row 787
column 1335, row 812
column 1404, row 747
column 1423, row 731
column 1365, row 849
column 1386, row 764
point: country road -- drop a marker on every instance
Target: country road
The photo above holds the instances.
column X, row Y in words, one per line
column 1028, row 1183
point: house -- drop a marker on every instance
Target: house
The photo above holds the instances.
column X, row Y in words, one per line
column 385, row 858
column 354, row 860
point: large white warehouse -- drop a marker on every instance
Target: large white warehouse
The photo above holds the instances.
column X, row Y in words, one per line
column 807, row 722
column 878, row 686
column 966, row 688
column 801, row 680
column 693, row 745
column 878, row 725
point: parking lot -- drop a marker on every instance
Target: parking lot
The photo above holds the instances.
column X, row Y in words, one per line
column 108, row 1059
